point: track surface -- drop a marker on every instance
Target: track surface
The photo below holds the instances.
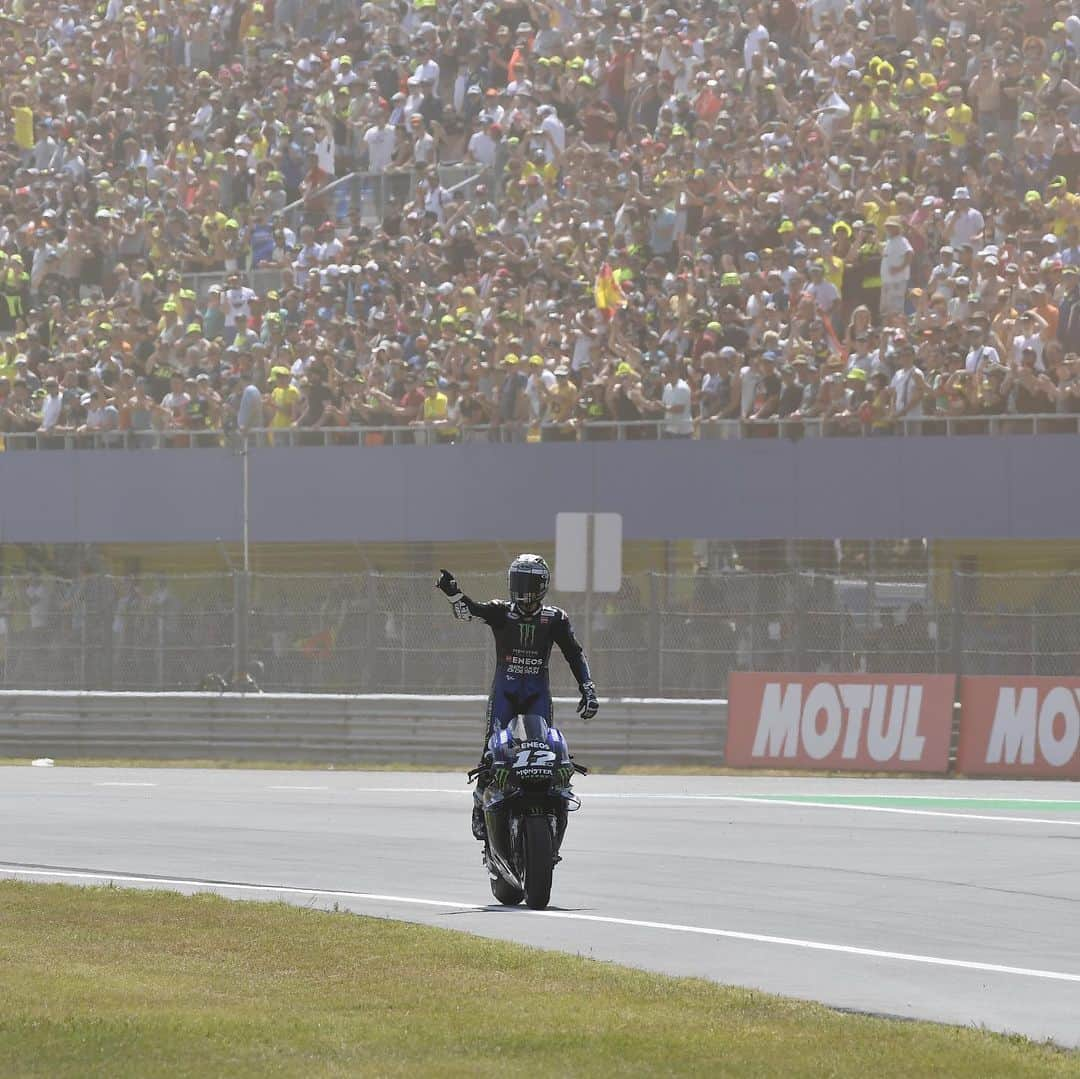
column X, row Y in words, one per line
column 956, row 901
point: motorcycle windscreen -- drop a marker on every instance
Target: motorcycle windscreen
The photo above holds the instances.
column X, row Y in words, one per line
column 529, row 729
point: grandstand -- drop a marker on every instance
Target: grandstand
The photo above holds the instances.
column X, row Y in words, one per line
column 379, row 257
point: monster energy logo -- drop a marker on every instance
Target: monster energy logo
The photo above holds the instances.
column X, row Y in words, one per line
column 526, row 634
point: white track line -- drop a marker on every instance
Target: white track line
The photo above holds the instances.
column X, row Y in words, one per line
column 634, row 923
column 852, row 808
column 793, row 798
column 751, row 799
column 747, row 799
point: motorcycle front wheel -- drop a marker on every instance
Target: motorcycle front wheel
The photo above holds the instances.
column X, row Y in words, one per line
column 539, row 851
column 505, row 893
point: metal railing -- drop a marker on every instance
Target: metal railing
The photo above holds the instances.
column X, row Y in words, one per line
column 445, row 433
column 668, row 635
column 375, row 729
column 356, row 197
column 364, row 195
column 262, row 280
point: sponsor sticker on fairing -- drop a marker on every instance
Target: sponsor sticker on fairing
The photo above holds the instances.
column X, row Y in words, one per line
column 880, row 723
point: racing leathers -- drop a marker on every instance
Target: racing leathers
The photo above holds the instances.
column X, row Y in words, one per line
column 525, row 631
column 523, row 644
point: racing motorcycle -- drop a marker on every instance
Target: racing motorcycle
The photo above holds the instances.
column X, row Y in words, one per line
column 526, row 802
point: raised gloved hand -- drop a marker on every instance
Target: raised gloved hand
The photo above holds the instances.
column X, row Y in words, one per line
column 588, row 706
column 447, row 584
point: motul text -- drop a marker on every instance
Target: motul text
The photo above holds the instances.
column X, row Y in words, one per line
column 878, row 723
column 1020, row 727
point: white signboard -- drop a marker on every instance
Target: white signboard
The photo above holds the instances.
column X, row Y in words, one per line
column 572, row 554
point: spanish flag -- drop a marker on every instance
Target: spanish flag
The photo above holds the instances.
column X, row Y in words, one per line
column 609, row 293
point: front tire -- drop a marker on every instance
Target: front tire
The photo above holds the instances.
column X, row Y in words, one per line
column 539, row 850
column 505, row 893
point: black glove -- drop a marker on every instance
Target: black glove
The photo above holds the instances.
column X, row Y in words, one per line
column 447, row 584
column 588, row 706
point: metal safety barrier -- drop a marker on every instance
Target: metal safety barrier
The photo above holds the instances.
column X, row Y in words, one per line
column 364, row 195
column 372, row 729
column 443, row 433
column 356, row 198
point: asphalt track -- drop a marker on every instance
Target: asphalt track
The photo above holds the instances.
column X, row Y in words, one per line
column 951, row 901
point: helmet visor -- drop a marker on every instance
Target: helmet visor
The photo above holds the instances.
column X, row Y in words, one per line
column 528, row 588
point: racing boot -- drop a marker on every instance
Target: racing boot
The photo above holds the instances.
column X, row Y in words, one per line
column 479, row 824
column 560, row 831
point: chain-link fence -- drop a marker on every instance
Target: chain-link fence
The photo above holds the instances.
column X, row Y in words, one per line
column 102, row 632
column 1018, row 623
column 673, row 635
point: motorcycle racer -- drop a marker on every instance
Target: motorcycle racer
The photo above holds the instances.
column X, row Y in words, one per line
column 525, row 631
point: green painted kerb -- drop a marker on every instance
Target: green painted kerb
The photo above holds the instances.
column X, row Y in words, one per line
column 914, row 801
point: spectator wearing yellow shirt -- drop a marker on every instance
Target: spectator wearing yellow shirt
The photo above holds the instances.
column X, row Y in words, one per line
column 547, row 171
column 866, row 115
column 562, row 402
column 7, row 360
column 836, row 255
column 283, row 402
column 251, row 23
column 186, row 149
column 1061, row 205
column 22, row 117
column 886, row 203
column 961, row 118
column 436, row 410
column 873, row 216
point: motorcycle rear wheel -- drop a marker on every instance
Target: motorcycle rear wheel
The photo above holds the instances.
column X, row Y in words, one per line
column 539, row 862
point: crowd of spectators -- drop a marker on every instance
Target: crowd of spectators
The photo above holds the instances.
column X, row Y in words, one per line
column 686, row 210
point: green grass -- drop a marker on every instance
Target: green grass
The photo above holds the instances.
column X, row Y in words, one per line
column 116, row 983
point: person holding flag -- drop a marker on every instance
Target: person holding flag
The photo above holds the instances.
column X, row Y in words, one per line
column 608, row 292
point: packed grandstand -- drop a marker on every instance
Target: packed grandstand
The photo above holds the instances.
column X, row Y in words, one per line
column 422, row 220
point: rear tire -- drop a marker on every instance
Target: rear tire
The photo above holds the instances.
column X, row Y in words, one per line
column 505, row 893
column 539, row 862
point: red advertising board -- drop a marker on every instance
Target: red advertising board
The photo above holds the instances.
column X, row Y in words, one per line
column 864, row 722
column 1020, row 727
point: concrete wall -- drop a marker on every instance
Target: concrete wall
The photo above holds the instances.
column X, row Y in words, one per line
column 971, row 487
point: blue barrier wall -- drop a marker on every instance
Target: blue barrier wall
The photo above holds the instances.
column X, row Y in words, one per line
column 971, row 487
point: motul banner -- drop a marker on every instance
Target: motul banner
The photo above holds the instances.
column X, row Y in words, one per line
column 1020, row 727
column 864, row 722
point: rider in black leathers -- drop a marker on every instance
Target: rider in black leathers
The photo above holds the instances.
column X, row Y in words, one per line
column 525, row 631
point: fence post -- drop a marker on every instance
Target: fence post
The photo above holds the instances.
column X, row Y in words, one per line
column 798, row 621
column 84, row 636
column 371, row 633
column 241, row 605
column 654, row 664
column 367, row 665
column 957, row 626
column 161, row 618
column 870, row 639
